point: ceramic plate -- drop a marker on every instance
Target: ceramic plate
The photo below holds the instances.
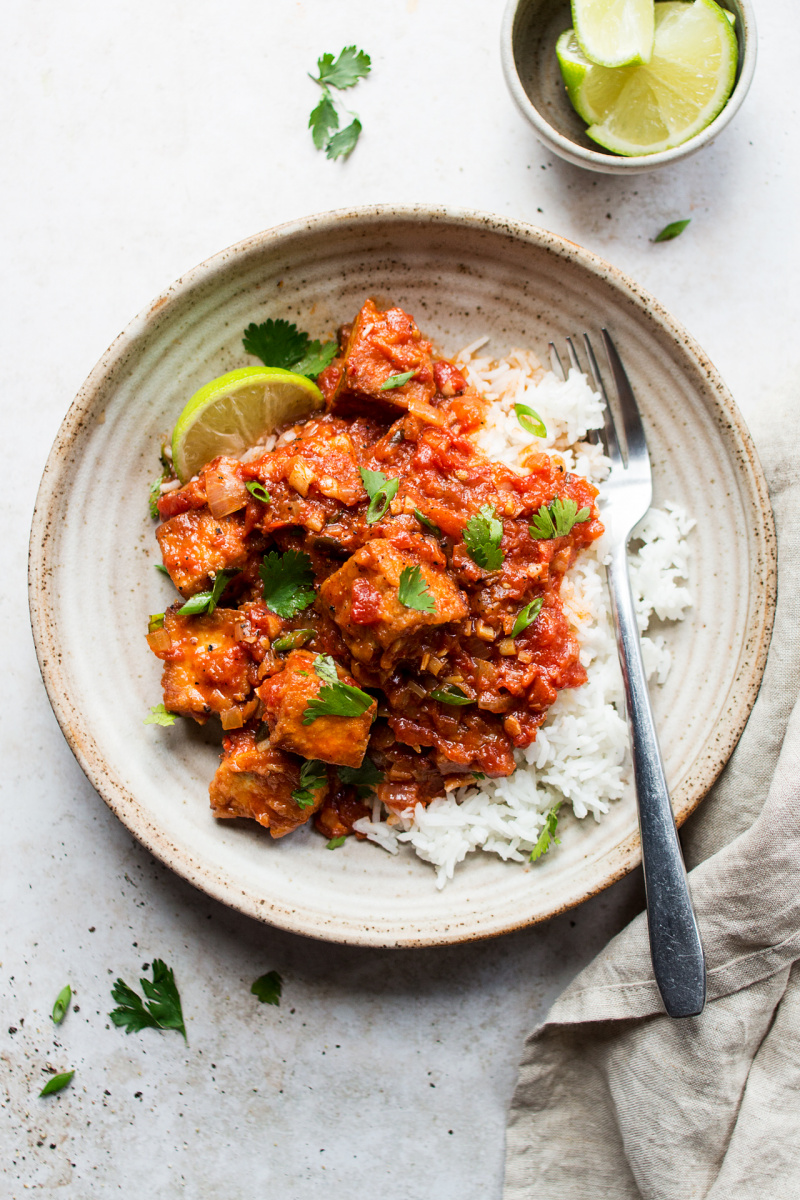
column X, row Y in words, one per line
column 93, row 551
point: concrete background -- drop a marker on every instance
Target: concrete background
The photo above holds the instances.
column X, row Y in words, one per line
column 138, row 139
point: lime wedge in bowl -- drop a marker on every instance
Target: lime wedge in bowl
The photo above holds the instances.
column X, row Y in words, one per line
column 233, row 412
column 661, row 104
column 614, row 33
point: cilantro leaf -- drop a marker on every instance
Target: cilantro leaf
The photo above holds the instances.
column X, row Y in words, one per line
column 61, row 1005
column 161, row 1008
column 482, row 536
column 673, row 230
column 557, row 519
column 335, row 843
column 323, row 120
column 530, row 420
column 313, row 776
column 206, row 602
column 258, row 491
column 288, row 582
column 526, row 616
column 316, row 358
column 547, row 836
column 428, row 524
column 57, row 1083
column 334, row 699
column 396, row 381
column 413, row 591
column 381, row 490
column 268, row 988
column 343, row 143
column 364, row 778
column 160, row 716
column 345, row 71
column 451, row 695
column 277, row 343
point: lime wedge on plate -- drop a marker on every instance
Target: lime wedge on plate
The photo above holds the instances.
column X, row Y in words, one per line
column 614, row 33
column 660, row 104
column 232, row 413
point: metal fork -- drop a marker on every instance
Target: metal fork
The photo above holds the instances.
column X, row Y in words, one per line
column 675, row 946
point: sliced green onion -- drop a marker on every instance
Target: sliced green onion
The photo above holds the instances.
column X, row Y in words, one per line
column 530, row 420
column 293, row 640
column 396, row 381
column 451, row 695
column 527, row 615
column 259, row 491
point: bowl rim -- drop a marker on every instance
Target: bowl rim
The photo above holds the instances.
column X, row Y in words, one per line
column 616, row 164
column 88, row 754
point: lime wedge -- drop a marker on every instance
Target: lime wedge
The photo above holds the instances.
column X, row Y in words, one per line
column 232, row 413
column 614, row 33
column 660, row 104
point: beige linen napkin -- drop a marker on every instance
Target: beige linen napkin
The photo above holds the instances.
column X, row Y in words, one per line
column 617, row 1102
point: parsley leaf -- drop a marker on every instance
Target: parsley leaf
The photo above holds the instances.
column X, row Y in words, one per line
column 530, row 420
column 281, row 344
column 61, row 1005
column 547, row 836
column 673, row 230
column 364, row 778
column 346, row 70
column 288, row 582
column 428, row 524
column 451, row 695
column 313, row 776
column 557, row 519
column 343, row 143
column 335, row 843
column 526, row 616
column 413, row 591
column 482, row 536
column 57, row 1083
column 334, row 699
column 268, row 988
column 258, row 491
column 206, row 602
column 323, row 120
column 396, row 381
column 160, row 716
column 380, row 489
column 161, row 1008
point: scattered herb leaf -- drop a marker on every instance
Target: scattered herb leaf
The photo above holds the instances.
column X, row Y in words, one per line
column 334, row 699
column 673, row 230
column 156, row 622
column 288, row 582
column 160, row 716
column 319, row 356
column 428, row 524
column 61, row 1005
column 530, row 420
column 547, row 836
column 324, row 120
column 482, row 536
column 206, row 602
column 313, row 776
column 268, row 988
column 396, row 381
column 381, row 489
column 57, row 1083
column 343, row 143
column 335, row 843
column 364, row 778
column 526, row 616
column 258, row 491
column 161, row 1008
column 451, row 695
column 155, row 496
column 292, row 641
column 413, row 592
column 341, row 73
column 325, row 669
column 160, row 567
column 281, row 344
column 556, row 519
column 345, row 71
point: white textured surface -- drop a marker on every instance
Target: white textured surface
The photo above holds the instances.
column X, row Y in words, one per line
column 139, row 139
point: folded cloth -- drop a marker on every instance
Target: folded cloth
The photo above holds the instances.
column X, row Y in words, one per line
column 615, row 1101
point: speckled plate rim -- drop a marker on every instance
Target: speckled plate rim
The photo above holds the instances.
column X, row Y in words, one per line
column 81, row 741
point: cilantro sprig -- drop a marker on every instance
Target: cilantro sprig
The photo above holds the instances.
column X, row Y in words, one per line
column 381, row 489
column 161, row 1008
column 557, row 519
column 268, row 988
column 413, row 591
column 288, row 582
column 364, row 778
column 334, row 699
column 281, row 344
column 206, row 602
column 547, row 837
column 340, row 73
column 313, row 776
column 482, row 536
column 526, row 616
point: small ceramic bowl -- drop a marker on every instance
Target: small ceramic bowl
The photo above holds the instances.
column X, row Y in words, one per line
column 531, row 29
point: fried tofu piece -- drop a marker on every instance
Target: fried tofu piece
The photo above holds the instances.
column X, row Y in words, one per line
column 362, row 597
column 340, row 740
column 381, row 345
column 196, row 544
column 256, row 780
column 206, row 670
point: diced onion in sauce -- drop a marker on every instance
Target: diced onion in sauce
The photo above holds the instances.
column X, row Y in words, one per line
column 225, row 491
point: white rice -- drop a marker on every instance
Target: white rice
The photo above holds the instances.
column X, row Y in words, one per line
column 580, row 755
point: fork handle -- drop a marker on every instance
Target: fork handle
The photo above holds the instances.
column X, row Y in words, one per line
column 675, row 946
